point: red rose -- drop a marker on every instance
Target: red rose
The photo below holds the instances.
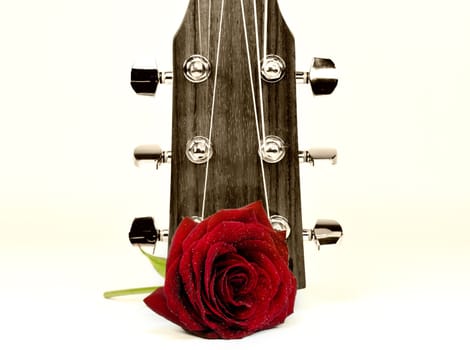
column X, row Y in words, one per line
column 228, row 276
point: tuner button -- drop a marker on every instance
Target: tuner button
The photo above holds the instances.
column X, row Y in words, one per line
column 148, row 152
column 144, row 81
column 143, row 231
column 322, row 76
column 325, row 232
column 314, row 154
column 324, row 153
column 151, row 153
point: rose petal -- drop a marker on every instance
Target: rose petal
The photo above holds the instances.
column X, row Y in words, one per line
column 233, row 232
column 176, row 296
column 234, row 302
column 253, row 212
column 158, row 303
column 178, row 301
column 183, row 267
column 260, row 213
column 183, row 230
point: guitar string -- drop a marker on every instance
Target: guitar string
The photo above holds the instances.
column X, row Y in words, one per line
column 209, row 30
column 260, row 83
column 253, row 94
column 199, row 26
column 213, row 105
column 266, row 7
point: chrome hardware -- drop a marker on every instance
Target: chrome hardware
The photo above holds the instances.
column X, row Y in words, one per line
column 322, row 76
column 196, row 219
column 199, row 150
column 280, row 223
column 166, row 78
column 197, row 69
column 314, row 154
column 302, row 77
column 143, row 232
column 145, row 81
column 325, row 232
column 273, row 68
column 151, row 153
column 272, row 149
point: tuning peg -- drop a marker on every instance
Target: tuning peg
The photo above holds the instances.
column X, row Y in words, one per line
column 151, row 153
column 143, row 232
column 322, row 76
column 314, row 154
column 325, row 232
column 144, row 81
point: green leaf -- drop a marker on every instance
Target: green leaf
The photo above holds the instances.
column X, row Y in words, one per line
column 158, row 263
column 132, row 291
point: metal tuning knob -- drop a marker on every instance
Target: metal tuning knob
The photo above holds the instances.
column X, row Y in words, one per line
column 325, row 232
column 314, row 154
column 144, row 81
column 322, row 76
column 143, row 232
column 151, row 153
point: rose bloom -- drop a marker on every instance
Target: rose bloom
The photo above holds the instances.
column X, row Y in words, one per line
column 228, row 276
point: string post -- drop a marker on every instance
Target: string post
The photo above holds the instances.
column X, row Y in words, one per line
column 273, row 68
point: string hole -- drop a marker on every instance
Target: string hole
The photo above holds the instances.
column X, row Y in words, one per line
column 280, row 223
column 199, row 150
column 197, row 219
column 273, row 68
column 197, row 69
column 272, row 149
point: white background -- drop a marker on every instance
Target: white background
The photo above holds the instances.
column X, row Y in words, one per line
column 68, row 189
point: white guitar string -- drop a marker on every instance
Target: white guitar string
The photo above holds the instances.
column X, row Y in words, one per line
column 213, row 105
column 260, row 82
column 209, row 30
column 199, row 26
column 253, row 94
column 266, row 7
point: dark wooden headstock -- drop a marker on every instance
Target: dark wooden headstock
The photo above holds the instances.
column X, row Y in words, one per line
column 228, row 103
column 235, row 175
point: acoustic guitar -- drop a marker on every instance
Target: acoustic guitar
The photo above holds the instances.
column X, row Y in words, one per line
column 234, row 125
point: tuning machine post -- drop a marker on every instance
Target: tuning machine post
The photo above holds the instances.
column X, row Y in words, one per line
column 322, row 76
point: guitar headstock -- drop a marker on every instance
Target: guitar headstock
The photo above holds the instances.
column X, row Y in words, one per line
column 234, row 138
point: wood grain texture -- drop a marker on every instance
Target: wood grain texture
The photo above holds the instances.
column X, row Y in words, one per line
column 235, row 177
